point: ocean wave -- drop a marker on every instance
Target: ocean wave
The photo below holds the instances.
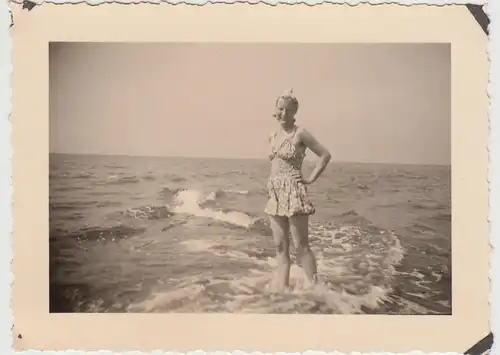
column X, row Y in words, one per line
column 83, row 175
column 234, row 192
column 191, row 202
column 356, row 264
column 421, row 228
column 174, row 178
column 73, row 205
column 148, row 212
column 356, row 261
column 357, row 267
column 100, row 233
column 108, row 203
column 356, row 272
column 425, row 204
column 122, row 179
column 442, row 217
column 113, row 166
column 219, row 195
column 55, row 187
column 350, row 213
column 167, row 193
column 75, row 216
column 149, row 177
column 182, row 201
column 54, row 174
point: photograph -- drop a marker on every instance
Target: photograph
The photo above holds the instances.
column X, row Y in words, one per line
column 271, row 178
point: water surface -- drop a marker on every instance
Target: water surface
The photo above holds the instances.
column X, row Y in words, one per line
column 136, row 234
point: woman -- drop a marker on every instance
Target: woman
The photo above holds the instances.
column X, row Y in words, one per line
column 289, row 206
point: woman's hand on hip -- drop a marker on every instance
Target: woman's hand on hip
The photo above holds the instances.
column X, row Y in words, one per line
column 298, row 177
column 307, row 181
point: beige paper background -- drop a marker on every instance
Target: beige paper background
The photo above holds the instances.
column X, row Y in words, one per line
column 239, row 23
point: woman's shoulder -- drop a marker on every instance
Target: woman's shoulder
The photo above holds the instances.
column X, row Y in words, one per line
column 303, row 134
column 300, row 131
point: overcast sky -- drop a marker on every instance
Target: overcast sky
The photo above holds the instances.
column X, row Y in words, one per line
column 365, row 102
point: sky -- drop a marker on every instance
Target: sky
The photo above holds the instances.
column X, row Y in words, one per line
column 383, row 103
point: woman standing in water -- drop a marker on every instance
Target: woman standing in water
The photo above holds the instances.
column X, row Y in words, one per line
column 289, row 207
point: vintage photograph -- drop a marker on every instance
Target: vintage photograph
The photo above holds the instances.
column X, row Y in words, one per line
column 271, row 178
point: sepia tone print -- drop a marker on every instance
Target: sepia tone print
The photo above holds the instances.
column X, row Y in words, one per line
column 250, row 178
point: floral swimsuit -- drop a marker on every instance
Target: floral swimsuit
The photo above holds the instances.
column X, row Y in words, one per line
column 287, row 194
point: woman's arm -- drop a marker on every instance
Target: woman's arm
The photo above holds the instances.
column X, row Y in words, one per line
column 318, row 149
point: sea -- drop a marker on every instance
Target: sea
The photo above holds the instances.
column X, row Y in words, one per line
column 189, row 235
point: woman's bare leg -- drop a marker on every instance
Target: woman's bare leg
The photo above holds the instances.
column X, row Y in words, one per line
column 281, row 230
column 299, row 228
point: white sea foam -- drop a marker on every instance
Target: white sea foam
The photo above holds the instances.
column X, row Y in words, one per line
column 189, row 201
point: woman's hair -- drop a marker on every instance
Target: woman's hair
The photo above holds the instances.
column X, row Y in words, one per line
column 291, row 99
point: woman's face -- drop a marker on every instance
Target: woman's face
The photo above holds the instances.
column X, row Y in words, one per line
column 284, row 112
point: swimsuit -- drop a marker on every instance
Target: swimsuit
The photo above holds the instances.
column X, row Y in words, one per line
column 287, row 194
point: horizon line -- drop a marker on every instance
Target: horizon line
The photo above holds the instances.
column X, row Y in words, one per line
column 247, row 158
